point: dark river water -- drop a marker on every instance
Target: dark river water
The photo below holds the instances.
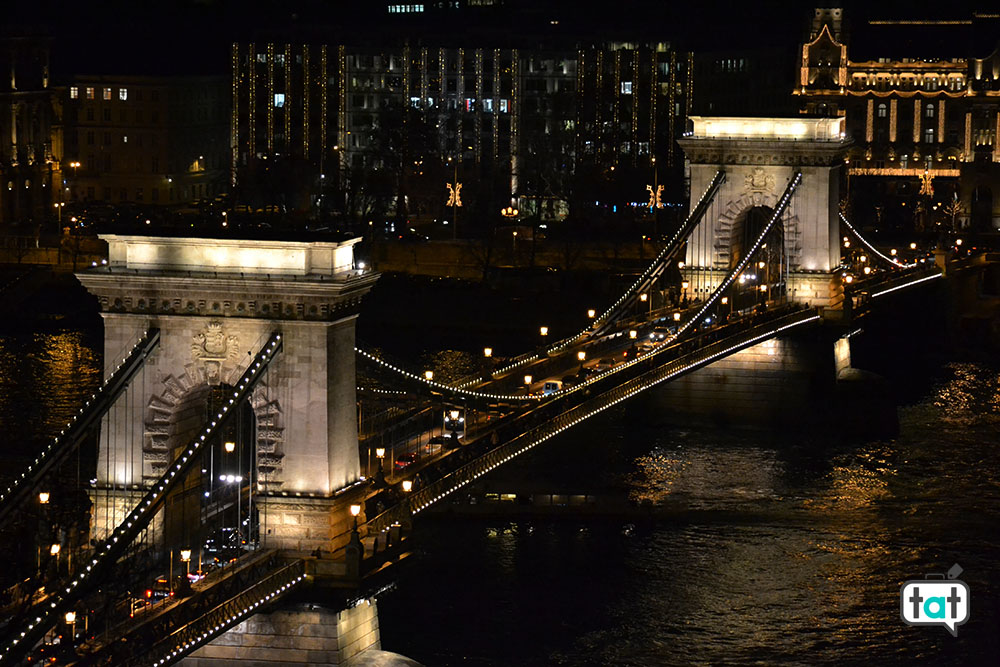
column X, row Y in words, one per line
column 776, row 550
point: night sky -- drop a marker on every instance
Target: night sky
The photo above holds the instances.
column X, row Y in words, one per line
column 192, row 36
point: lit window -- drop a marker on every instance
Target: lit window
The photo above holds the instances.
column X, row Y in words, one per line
column 124, row 138
column 74, row 92
column 626, row 87
column 123, row 94
column 262, row 57
column 488, row 105
column 107, row 93
column 881, row 110
column 279, row 99
column 90, row 93
column 279, row 59
column 470, row 104
column 503, row 106
column 904, row 161
column 929, row 111
column 929, row 135
column 415, row 102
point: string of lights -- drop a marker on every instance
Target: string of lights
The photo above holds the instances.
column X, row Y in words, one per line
column 438, row 490
column 113, row 386
column 140, row 516
column 872, row 249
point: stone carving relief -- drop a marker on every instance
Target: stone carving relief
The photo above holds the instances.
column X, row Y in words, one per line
column 212, row 348
column 759, row 181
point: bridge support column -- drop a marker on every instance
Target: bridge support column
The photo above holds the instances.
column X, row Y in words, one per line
column 304, row 635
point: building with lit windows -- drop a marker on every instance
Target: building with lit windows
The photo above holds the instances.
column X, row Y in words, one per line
column 145, row 140
column 922, row 101
column 513, row 124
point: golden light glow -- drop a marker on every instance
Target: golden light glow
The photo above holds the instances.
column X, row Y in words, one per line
column 487, row 352
column 677, row 317
column 685, row 284
column 643, row 297
column 380, row 452
column 71, row 617
column 407, row 486
column 769, row 128
column 543, row 330
column 453, row 415
column 591, row 313
column 725, row 300
column 429, row 375
column 185, row 555
column 43, row 497
column 763, row 288
column 848, row 279
column 893, row 252
column 355, row 510
column 868, row 270
column 581, row 355
column 230, row 447
column 958, row 241
column 632, row 334
column 527, row 379
column 54, row 549
column 913, row 246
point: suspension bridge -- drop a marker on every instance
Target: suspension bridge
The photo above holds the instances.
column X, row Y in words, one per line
column 229, row 514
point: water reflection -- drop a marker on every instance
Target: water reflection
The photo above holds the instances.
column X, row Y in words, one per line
column 44, row 378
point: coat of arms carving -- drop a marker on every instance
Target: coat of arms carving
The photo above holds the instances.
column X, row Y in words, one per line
column 759, row 181
column 213, row 348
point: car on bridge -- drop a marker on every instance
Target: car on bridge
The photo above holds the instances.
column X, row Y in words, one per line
column 404, row 460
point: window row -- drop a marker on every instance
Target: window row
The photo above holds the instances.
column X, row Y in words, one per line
column 107, row 94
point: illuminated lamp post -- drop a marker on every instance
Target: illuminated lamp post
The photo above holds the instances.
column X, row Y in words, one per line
column 380, row 482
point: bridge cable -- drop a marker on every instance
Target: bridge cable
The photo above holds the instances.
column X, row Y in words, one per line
column 684, row 328
column 611, row 314
column 69, row 439
column 891, row 260
column 138, row 518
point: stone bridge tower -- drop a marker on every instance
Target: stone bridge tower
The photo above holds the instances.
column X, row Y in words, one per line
column 216, row 301
column 760, row 156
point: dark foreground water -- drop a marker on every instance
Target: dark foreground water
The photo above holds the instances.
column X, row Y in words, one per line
column 776, row 551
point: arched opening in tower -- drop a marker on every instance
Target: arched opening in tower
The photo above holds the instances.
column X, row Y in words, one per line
column 764, row 277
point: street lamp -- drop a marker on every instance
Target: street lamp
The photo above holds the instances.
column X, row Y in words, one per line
column 230, row 447
column 54, row 549
column 913, row 246
column 186, row 559
column 632, row 334
column 379, row 474
column 71, row 621
column 43, row 497
column 487, row 352
column 543, row 330
column 355, row 511
column 677, row 317
column 510, row 212
column 643, row 297
column 428, row 375
column 527, row 380
column 407, row 485
column 591, row 313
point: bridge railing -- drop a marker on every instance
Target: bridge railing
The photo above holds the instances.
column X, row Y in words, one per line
column 435, row 491
column 203, row 629
column 107, row 553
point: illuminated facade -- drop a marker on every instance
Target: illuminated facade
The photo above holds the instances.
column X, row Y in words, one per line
column 29, row 140
column 145, row 140
column 908, row 113
column 507, row 115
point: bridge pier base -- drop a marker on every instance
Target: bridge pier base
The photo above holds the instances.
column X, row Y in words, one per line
column 305, row 634
column 785, row 381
